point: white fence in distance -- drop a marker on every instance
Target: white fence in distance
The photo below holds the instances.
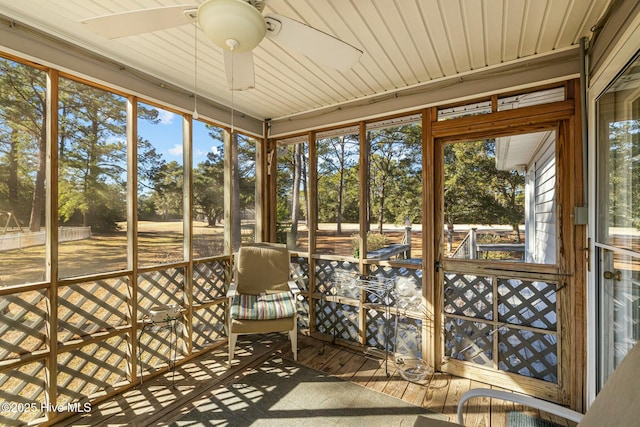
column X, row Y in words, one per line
column 13, row 241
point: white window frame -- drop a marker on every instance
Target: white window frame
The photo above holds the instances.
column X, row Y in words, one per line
column 621, row 53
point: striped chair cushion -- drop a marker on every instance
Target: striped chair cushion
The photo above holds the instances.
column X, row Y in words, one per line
column 263, row 307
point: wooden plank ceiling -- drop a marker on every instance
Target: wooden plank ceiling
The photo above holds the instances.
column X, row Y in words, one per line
column 405, row 43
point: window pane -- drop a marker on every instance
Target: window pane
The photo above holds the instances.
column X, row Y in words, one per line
column 293, row 195
column 22, row 173
column 395, row 192
column 532, row 98
column 92, row 177
column 244, row 198
column 208, row 190
column 457, row 112
column 619, row 162
column 160, row 173
column 500, row 199
column 338, row 195
column 619, row 309
column 618, row 219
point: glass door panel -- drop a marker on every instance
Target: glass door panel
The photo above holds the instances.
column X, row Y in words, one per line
column 618, row 219
column 619, row 309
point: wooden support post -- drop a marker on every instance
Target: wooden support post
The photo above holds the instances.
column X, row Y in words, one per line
column 312, row 225
column 132, row 232
column 407, row 237
column 473, row 244
column 187, row 192
column 51, row 248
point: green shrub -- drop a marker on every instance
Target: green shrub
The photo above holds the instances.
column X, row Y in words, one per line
column 375, row 241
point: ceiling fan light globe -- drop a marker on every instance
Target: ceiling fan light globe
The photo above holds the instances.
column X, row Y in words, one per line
column 222, row 20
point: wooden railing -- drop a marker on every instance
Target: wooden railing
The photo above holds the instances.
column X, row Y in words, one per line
column 469, row 248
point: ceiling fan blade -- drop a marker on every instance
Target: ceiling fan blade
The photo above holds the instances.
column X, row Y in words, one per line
column 320, row 47
column 124, row 24
column 239, row 69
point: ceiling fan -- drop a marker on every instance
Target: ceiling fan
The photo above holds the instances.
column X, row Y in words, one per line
column 237, row 26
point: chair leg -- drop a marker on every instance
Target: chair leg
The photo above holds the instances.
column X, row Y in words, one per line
column 232, row 345
column 293, row 335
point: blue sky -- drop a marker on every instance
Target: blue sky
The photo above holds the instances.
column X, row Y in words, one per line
column 166, row 136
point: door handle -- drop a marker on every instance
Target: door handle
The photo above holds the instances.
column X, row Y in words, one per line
column 615, row 275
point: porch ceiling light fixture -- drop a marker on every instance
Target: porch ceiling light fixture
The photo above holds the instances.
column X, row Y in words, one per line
column 232, row 24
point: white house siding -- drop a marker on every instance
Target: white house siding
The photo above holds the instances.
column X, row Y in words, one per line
column 541, row 206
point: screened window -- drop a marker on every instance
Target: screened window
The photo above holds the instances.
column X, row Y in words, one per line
column 22, row 173
column 394, row 209
column 293, row 195
column 338, row 194
column 243, row 184
column 160, row 179
column 92, row 177
column 208, row 190
column 500, row 199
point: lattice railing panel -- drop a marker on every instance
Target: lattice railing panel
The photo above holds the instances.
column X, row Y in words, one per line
column 381, row 297
column 341, row 278
column 325, row 274
column 22, row 387
column 301, row 268
column 408, row 292
column 345, row 283
column 208, row 325
column 469, row 341
column 377, row 290
column 23, row 318
column 347, row 328
column 157, row 344
column 303, row 313
column 380, row 326
column 529, row 353
column 527, row 303
column 92, row 368
column 468, row 295
column 337, row 320
column 209, row 281
column 164, row 287
column 396, row 272
column 86, row 308
column 407, row 335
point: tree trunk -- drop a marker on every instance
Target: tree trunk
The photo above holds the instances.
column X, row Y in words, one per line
column 516, row 230
column 93, row 171
column 381, row 212
column 13, row 190
column 38, row 201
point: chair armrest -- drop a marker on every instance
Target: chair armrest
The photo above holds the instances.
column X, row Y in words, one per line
column 233, row 290
column 532, row 402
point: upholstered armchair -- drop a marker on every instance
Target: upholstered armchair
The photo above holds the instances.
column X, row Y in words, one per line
column 262, row 297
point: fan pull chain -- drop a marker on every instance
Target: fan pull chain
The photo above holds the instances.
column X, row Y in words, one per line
column 232, row 46
column 195, row 72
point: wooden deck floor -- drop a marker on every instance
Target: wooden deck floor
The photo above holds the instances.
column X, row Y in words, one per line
column 157, row 403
